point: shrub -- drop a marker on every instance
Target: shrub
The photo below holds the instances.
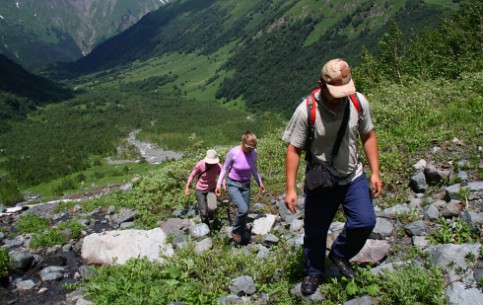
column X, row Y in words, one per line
column 9, row 193
column 31, row 223
column 73, row 225
column 5, row 262
column 48, row 238
column 412, row 284
column 457, row 232
column 196, row 279
column 43, row 235
column 65, row 185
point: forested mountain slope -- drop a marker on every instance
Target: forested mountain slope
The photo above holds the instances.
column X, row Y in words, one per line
column 16, row 80
column 34, row 33
column 275, row 47
column 170, row 95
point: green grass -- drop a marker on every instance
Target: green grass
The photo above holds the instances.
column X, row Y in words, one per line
column 5, row 262
column 32, row 224
column 441, row 108
column 445, row 3
column 202, row 279
column 410, row 120
column 319, row 30
column 195, row 74
column 195, row 279
column 43, row 235
column 96, row 177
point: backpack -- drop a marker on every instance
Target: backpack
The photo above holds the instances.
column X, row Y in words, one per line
column 312, row 111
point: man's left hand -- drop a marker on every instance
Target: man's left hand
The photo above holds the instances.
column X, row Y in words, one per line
column 376, row 185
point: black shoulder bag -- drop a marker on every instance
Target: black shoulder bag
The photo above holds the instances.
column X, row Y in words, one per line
column 321, row 174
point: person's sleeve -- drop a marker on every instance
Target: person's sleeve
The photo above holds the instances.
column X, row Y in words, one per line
column 195, row 171
column 253, row 167
column 224, row 169
column 297, row 128
column 366, row 124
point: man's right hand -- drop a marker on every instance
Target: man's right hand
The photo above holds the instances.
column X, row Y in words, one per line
column 291, row 200
column 291, row 167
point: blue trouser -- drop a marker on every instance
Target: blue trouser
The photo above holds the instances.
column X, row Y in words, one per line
column 240, row 195
column 320, row 209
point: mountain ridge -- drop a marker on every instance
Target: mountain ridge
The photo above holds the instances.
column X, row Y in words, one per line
column 64, row 30
column 16, row 80
column 269, row 42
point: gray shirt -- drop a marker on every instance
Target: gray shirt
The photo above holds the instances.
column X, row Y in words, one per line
column 327, row 124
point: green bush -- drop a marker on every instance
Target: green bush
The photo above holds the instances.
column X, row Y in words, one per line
column 64, row 185
column 31, row 223
column 5, row 262
column 9, row 192
column 456, row 232
column 47, row 238
column 413, row 284
column 196, row 279
column 271, row 161
column 73, row 225
column 50, row 237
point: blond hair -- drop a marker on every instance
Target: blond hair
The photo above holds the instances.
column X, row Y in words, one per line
column 249, row 138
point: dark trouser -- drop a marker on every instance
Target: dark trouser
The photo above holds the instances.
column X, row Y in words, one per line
column 320, row 209
column 206, row 205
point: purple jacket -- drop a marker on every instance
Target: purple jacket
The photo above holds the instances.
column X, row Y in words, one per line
column 240, row 166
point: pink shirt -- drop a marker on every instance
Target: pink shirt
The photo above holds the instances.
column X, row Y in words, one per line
column 206, row 178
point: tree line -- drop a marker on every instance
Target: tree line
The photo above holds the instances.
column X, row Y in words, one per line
column 57, row 140
column 276, row 69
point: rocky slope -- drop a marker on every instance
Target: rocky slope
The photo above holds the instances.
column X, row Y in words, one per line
column 39, row 275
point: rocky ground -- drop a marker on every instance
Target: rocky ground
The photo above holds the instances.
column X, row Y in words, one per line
column 147, row 151
column 41, row 276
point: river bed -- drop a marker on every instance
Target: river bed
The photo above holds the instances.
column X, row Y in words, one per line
column 150, row 152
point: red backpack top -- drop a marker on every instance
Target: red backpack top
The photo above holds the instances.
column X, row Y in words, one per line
column 309, row 101
column 311, row 111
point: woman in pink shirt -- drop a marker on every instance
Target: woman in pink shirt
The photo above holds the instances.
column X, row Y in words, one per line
column 240, row 165
column 206, row 171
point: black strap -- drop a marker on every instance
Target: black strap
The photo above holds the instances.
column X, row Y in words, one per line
column 199, row 176
column 311, row 133
column 340, row 133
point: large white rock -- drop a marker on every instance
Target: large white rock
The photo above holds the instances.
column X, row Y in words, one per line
column 263, row 224
column 119, row 246
column 373, row 252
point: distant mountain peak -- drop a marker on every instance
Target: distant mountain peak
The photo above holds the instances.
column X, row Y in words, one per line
column 35, row 33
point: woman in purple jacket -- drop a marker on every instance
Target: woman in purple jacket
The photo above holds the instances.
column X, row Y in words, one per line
column 240, row 165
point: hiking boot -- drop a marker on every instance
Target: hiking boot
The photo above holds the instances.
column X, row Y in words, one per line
column 310, row 283
column 344, row 266
column 236, row 238
column 246, row 238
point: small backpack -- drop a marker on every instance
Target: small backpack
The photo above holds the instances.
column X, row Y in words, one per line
column 312, row 111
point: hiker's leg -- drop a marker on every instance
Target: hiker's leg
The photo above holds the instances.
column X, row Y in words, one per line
column 320, row 209
column 245, row 192
column 212, row 203
column 202, row 205
column 237, row 193
column 361, row 219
